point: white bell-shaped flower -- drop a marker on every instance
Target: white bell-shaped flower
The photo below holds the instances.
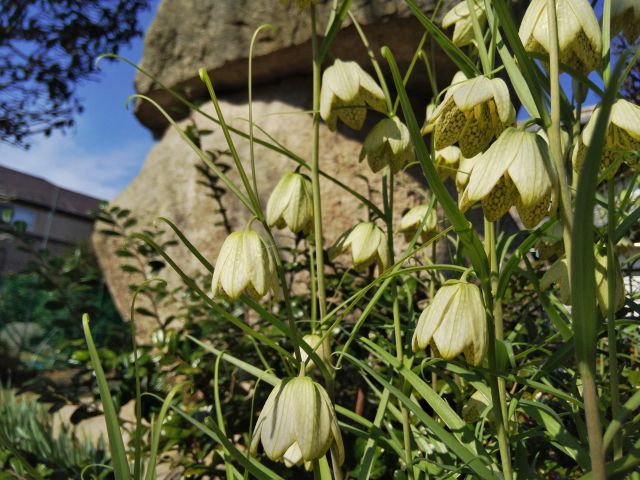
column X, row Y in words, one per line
column 388, row 144
column 368, row 245
column 460, row 16
column 579, row 38
column 411, row 221
column 513, row 171
column 455, row 322
column 473, row 113
column 298, row 424
column 291, row 204
column 345, row 93
column 244, row 265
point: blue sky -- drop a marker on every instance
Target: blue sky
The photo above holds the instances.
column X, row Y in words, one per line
column 107, row 147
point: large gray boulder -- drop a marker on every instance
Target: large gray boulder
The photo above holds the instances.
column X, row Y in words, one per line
column 215, row 34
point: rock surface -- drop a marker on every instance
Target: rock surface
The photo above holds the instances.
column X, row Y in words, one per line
column 169, row 184
column 215, row 34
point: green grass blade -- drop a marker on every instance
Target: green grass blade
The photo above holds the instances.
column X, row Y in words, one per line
column 118, row 455
column 617, row 423
column 333, row 30
column 156, row 431
column 473, row 461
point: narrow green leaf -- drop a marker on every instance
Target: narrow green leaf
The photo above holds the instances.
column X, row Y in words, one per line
column 118, row 455
column 156, row 430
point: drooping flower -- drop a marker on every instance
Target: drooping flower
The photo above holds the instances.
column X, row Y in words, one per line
column 625, row 18
column 411, row 221
column 368, row 244
column 346, row 91
column 446, row 162
column 244, row 265
column 472, row 114
column 513, row 171
column 314, row 340
column 298, row 424
column 460, row 16
column 464, row 172
column 291, row 204
column 558, row 274
column 579, row 38
column 427, row 126
column 622, row 138
column 388, row 144
column 455, row 322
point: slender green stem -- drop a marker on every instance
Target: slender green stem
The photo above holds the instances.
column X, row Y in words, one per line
column 315, row 171
column 314, row 293
column 477, row 31
column 611, row 315
column 490, row 246
column 387, row 196
column 554, row 134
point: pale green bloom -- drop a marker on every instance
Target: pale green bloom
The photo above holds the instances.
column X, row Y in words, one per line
column 622, row 139
column 474, row 408
column 464, row 171
column 368, row 245
column 244, row 265
column 291, row 204
column 513, row 171
column 346, row 91
column 579, row 38
column 388, row 144
column 447, row 161
column 455, row 322
column 411, row 221
column 427, row 126
column 625, row 18
column 473, row 113
column 558, row 274
column 460, row 16
column 314, row 340
column 298, row 424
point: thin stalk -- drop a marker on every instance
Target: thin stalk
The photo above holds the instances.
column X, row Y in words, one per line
column 612, row 338
column 501, row 431
column 315, row 171
column 553, row 131
column 490, row 246
column 314, row 294
column 387, row 196
column 477, row 32
column 611, row 315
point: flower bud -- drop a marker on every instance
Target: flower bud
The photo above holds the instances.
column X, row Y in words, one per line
column 298, row 424
column 411, row 221
column 513, row 171
column 291, row 204
column 472, row 114
column 314, row 341
column 346, row 91
column 388, row 144
column 579, row 39
column 460, row 16
column 455, row 322
column 244, row 265
column 622, row 137
column 625, row 18
column 368, row 244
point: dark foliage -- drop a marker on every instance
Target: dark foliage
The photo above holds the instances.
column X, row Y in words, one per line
column 47, row 47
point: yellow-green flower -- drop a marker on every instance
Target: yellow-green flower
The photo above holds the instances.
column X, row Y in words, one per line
column 622, row 139
column 291, row 204
column 460, row 16
column 455, row 322
column 298, row 424
column 427, row 126
column 388, row 144
column 447, row 161
column 244, row 265
column 411, row 221
column 558, row 274
column 464, row 172
column 513, row 171
column 579, row 38
column 368, row 245
column 346, row 91
column 472, row 114
column 314, row 340
column 625, row 18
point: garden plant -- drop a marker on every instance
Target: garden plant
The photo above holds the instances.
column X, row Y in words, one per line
column 513, row 354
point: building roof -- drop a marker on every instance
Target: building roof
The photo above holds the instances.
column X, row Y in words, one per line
column 22, row 187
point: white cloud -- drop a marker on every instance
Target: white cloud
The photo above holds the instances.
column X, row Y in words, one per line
column 99, row 172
